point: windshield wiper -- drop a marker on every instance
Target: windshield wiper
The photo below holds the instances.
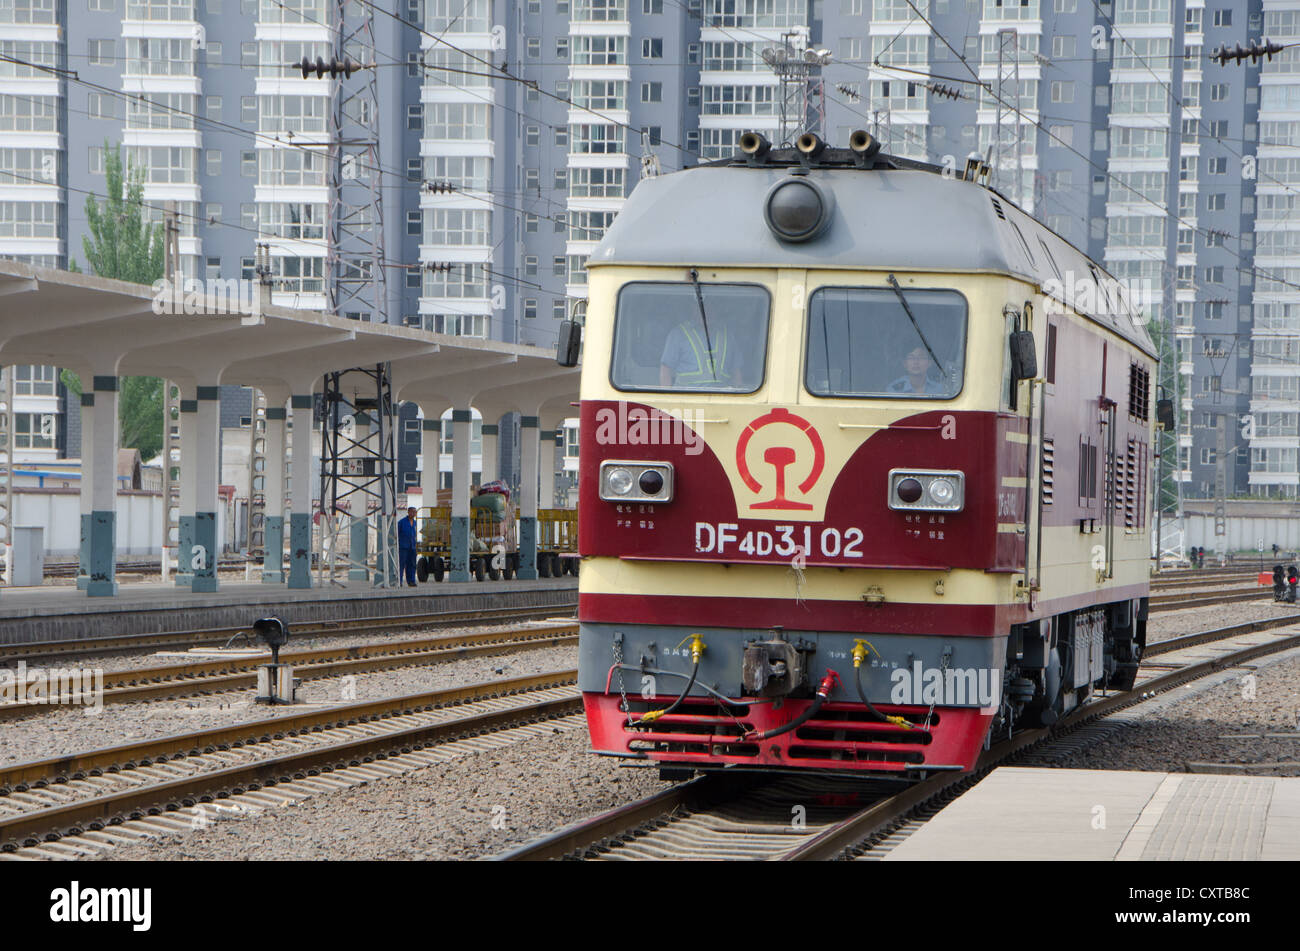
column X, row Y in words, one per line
column 893, row 282
column 704, row 321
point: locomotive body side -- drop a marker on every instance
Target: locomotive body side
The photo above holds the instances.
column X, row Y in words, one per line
column 785, row 546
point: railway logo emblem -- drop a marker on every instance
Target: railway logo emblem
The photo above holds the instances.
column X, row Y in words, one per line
column 780, row 457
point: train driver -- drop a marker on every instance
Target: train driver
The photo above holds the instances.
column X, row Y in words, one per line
column 686, row 358
column 916, row 375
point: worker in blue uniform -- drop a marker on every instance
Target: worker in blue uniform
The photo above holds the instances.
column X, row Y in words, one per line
column 406, row 545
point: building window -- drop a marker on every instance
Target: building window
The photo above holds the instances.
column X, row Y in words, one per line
column 557, row 265
column 212, row 212
column 1218, row 166
column 248, row 54
column 212, row 107
column 530, row 264
column 557, row 308
column 652, row 92
column 693, row 141
column 414, row 118
column 692, row 54
column 96, row 160
column 561, row 47
column 248, row 216
column 530, row 223
column 212, row 162
column 248, row 164
column 530, row 308
column 212, row 270
column 532, row 135
column 532, row 180
column 248, row 110
column 652, row 7
column 34, row 381
column 413, row 170
column 412, row 279
column 35, row 430
column 414, row 223
column 534, row 47
column 212, row 54
column 1223, row 18
column 1218, row 92
column 693, row 97
column 247, row 269
column 1062, row 91
column 652, row 48
column 101, row 52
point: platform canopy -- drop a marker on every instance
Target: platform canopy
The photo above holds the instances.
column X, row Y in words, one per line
column 94, row 325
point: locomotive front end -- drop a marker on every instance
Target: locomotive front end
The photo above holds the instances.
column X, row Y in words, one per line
column 803, row 484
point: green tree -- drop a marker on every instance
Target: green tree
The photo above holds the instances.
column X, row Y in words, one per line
column 122, row 244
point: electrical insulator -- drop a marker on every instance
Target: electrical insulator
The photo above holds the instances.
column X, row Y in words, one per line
column 335, row 68
column 1256, row 49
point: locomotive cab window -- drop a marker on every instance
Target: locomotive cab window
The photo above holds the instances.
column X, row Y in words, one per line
column 863, row 342
column 687, row 338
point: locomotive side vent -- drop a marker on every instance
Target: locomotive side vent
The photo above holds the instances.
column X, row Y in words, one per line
column 1049, row 470
column 997, row 207
column 1131, row 491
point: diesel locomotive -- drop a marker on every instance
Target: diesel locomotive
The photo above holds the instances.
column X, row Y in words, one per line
column 866, row 467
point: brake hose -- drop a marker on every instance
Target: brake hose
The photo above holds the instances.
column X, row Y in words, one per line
column 697, row 651
column 823, row 694
column 860, row 648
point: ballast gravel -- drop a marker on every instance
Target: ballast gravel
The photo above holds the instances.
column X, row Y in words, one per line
column 1162, row 625
column 472, row 807
column 1252, row 719
column 57, row 730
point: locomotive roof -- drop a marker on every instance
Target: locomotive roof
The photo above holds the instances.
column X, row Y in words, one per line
column 898, row 214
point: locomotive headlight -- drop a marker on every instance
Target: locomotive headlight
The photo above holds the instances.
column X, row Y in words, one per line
column 943, row 491
column 920, row 490
column 619, row 481
column 624, row 481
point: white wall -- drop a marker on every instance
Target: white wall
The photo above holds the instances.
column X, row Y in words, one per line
column 139, row 522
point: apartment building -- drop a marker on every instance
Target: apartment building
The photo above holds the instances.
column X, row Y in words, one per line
column 507, row 133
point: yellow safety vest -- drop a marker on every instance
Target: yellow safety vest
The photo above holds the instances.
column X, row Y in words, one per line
column 700, row 352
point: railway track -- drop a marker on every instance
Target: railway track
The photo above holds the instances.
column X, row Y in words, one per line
column 1205, row 599
column 799, row 818
column 89, row 794
column 183, row 640
column 239, row 673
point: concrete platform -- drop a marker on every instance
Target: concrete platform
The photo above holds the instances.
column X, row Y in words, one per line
column 59, row 612
column 1113, row 815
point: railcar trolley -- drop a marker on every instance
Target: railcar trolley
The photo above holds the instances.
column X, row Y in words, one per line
column 866, row 467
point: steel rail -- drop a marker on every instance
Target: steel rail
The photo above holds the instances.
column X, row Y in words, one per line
column 98, row 812
column 36, row 774
column 187, row 680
